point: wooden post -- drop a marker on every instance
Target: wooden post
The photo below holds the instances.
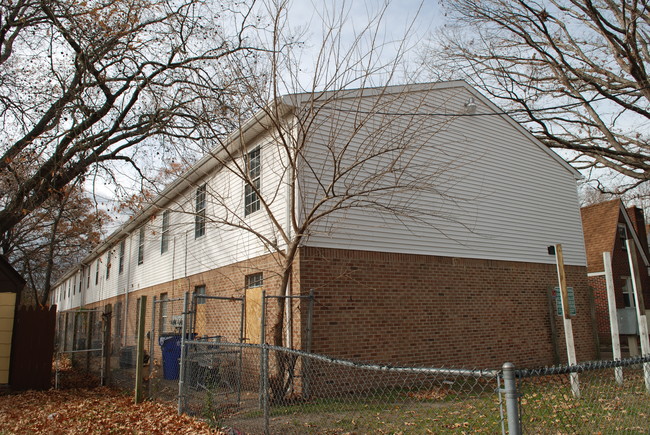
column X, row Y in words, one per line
column 613, row 320
column 108, row 314
column 640, row 308
column 75, row 328
column 90, row 317
column 139, row 362
column 566, row 315
column 64, row 345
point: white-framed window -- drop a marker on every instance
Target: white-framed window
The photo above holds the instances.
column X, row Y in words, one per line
column 109, row 256
column 622, row 235
column 141, row 245
column 164, row 235
column 97, row 272
column 252, row 187
column 628, row 293
column 164, row 310
column 199, row 210
column 254, row 280
column 120, row 266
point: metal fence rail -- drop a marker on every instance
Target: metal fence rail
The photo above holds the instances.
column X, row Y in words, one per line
column 270, row 389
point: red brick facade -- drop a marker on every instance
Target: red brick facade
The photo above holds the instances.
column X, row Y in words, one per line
column 426, row 310
column 405, row 309
column 601, row 222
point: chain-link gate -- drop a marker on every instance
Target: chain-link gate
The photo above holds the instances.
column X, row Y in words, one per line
column 79, row 360
column 212, row 376
column 164, row 348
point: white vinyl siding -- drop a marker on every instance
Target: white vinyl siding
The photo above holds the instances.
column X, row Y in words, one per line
column 501, row 197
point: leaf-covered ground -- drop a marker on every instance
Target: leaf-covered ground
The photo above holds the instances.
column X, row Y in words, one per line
column 98, row 410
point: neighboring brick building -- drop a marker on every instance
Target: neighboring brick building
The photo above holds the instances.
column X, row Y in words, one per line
column 606, row 226
column 460, row 278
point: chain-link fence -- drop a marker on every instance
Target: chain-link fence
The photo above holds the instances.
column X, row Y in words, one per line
column 79, row 349
column 163, row 353
column 595, row 397
column 210, row 355
column 232, row 378
column 334, row 396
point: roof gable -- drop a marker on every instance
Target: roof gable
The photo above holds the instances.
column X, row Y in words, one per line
column 600, row 227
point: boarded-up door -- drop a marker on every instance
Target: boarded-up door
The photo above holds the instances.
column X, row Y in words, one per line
column 253, row 314
column 7, row 307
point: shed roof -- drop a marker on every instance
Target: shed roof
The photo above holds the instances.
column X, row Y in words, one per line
column 10, row 280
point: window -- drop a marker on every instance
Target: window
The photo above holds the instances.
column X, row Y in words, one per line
column 68, row 288
column 74, row 285
column 141, row 246
column 628, row 292
column 199, row 218
column 622, row 234
column 254, row 280
column 199, row 290
column 137, row 312
column 164, row 237
column 109, row 254
column 164, row 302
column 120, row 266
column 97, row 272
column 88, row 276
column 253, row 171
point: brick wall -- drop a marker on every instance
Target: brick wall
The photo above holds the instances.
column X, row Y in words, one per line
column 598, row 283
column 407, row 309
column 219, row 317
column 426, row 310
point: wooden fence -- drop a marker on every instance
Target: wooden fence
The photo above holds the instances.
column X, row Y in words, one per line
column 32, row 348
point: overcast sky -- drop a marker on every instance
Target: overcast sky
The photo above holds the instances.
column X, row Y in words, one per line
column 407, row 17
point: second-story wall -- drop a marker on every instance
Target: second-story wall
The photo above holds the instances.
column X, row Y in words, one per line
column 476, row 184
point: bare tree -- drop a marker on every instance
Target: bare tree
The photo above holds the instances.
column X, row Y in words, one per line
column 85, row 86
column 574, row 71
column 344, row 143
column 53, row 239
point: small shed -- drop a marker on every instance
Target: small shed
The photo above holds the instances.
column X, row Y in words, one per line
column 11, row 286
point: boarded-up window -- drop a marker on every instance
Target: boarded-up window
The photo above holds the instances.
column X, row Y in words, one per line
column 253, row 284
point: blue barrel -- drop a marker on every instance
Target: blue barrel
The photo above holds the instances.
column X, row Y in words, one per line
column 171, row 354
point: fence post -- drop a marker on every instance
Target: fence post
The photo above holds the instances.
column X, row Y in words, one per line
column 264, row 369
column 152, row 336
column 140, row 349
column 181, row 374
column 512, row 399
column 306, row 362
column 90, row 322
column 262, row 339
column 106, row 347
